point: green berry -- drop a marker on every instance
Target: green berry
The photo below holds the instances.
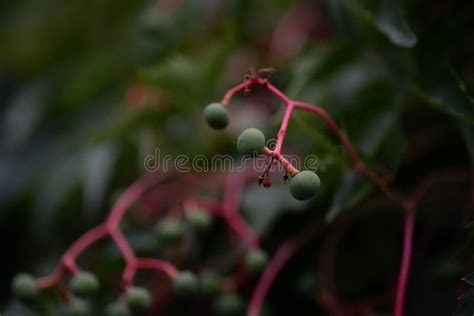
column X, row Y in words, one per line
column 25, row 288
column 117, row 309
column 199, row 219
column 138, row 299
column 78, row 308
column 256, row 260
column 216, row 115
column 84, row 284
column 185, row 284
column 251, row 142
column 170, row 230
column 305, row 185
column 229, row 305
column 209, row 283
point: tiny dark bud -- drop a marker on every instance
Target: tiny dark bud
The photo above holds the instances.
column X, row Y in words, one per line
column 267, row 182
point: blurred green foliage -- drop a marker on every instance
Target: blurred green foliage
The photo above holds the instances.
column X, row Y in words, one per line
column 90, row 88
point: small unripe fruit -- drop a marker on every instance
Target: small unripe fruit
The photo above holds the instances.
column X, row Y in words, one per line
column 138, row 299
column 199, row 219
column 117, row 309
column 25, row 288
column 209, row 283
column 256, row 260
column 170, row 230
column 78, row 308
column 216, row 115
column 251, row 142
column 185, row 284
column 84, row 284
column 229, row 305
column 305, row 185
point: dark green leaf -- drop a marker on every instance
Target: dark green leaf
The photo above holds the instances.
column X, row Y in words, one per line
column 469, row 279
column 468, row 294
column 351, row 190
column 386, row 16
column 390, row 21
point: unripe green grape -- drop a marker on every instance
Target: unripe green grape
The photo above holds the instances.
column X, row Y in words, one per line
column 229, row 305
column 256, row 260
column 185, row 284
column 25, row 288
column 251, row 142
column 78, row 307
column 209, row 283
column 216, row 115
column 170, row 229
column 84, row 284
column 117, row 309
column 200, row 219
column 138, row 299
column 305, row 185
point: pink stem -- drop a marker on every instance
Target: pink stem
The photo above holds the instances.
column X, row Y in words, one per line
column 357, row 161
column 407, row 205
column 320, row 112
column 405, row 265
column 258, row 82
column 85, row 241
column 279, row 260
column 232, row 194
column 158, row 265
column 109, row 228
column 127, row 199
column 282, row 160
column 283, row 128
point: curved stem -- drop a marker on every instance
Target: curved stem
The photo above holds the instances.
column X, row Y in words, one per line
column 257, row 82
column 283, row 128
column 341, row 136
column 282, row 160
column 230, row 210
column 158, row 265
column 284, row 253
column 405, row 265
column 109, row 228
column 354, row 156
column 128, row 198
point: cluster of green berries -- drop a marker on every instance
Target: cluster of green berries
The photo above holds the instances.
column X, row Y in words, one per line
column 208, row 284
column 83, row 286
column 172, row 229
column 138, row 300
column 251, row 142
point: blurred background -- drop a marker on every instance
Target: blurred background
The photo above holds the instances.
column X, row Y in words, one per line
column 89, row 88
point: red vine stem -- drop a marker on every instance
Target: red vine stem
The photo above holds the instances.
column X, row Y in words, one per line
column 320, row 112
column 284, row 253
column 230, row 207
column 409, row 227
column 109, row 228
column 407, row 205
column 228, row 210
